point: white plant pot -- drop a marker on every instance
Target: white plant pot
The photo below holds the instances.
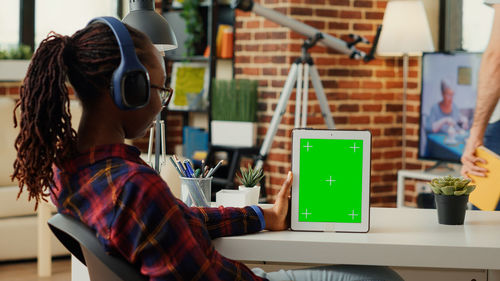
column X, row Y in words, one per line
column 13, row 70
column 234, row 133
column 254, row 193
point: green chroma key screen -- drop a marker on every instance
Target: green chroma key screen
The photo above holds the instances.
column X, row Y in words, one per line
column 330, row 180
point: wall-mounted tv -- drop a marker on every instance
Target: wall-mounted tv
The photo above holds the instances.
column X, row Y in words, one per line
column 448, row 99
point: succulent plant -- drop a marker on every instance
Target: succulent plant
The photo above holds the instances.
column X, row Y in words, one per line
column 250, row 177
column 452, row 186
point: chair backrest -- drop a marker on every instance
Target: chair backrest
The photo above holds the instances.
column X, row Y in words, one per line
column 82, row 242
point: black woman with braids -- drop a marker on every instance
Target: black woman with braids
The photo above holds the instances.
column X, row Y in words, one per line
column 93, row 176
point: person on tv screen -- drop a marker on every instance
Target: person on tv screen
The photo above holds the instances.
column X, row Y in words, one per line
column 445, row 116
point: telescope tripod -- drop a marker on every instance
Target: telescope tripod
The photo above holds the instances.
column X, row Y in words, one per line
column 301, row 70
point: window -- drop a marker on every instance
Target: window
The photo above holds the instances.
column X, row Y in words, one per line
column 9, row 24
column 67, row 16
column 477, row 19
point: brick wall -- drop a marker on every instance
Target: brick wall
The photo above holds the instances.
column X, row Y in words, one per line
column 360, row 95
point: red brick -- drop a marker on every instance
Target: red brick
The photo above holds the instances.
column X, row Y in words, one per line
column 3, row 90
column 253, row 24
column 251, row 71
column 348, row 84
column 362, row 26
column 243, row 35
column 374, row 15
column 242, row 59
column 338, row 72
column 269, row 71
column 268, row 23
column 338, row 26
column 14, row 90
column 383, row 119
column 301, row 11
column 339, row 2
column 359, row 119
column 393, row 132
column 350, row 14
column 261, row 59
column 361, row 96
column 372, row 107
column 361, row 73
column 385, row 73
column 326, row 13
column 349, row 108
column 371, row 85
column 363, row 4
column 394, row 107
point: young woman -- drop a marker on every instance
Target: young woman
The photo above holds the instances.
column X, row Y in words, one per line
column 93, row 176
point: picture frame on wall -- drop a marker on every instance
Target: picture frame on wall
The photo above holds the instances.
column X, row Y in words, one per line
column 190, row 81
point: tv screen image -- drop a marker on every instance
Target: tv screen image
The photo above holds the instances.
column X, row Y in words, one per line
column 448, row 99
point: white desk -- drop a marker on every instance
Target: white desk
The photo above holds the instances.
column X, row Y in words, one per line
column 397, row 237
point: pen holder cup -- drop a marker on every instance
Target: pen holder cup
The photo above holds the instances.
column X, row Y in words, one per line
column 196, row 192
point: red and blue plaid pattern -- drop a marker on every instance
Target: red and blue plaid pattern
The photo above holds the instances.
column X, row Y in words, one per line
column 133, row 212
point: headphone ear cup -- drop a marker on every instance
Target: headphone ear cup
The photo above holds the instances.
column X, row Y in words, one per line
column 135, row 89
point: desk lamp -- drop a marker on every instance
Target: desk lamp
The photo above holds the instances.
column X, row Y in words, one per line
column 143, row 17
column 406, row 33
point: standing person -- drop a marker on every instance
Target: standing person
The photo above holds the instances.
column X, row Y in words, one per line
column 485, row 129
column 93, row 176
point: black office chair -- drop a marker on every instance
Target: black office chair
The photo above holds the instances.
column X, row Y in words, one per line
column 81, row 241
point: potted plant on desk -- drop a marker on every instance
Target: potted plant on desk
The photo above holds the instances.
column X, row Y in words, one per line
column 234, row 112
column 250, row 179
column 451, row 195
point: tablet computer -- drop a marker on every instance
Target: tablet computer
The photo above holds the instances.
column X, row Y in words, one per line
column 331, row 182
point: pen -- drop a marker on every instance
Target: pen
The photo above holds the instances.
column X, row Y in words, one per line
column 189, row 168
column 214, row 169
column 181, row 166
column 176, row 167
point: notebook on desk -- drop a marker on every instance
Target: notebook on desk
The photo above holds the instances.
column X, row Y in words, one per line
column 487, row 193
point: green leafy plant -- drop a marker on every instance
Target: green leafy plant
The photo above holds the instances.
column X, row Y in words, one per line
column 234, row 100
column 194, row 25
column 452, row 186
column 22, row 52
column 250, row 177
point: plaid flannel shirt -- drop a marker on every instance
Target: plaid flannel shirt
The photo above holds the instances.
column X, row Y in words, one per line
column 134, row 213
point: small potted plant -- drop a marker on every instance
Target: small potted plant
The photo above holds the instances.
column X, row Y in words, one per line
column 250, row 179
column 451, row 195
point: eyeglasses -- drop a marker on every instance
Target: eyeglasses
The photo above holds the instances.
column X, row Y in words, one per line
column 165, row 94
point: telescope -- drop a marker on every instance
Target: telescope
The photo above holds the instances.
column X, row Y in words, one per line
column 303, row 69
column 327, row 40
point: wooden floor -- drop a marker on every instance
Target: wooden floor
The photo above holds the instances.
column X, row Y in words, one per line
column 27, row 271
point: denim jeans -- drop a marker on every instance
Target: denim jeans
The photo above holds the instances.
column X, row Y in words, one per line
column 492, row 142
column 333, row 273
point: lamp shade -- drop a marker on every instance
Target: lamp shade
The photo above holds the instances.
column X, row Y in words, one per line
column 405, row 29
column 143, row 17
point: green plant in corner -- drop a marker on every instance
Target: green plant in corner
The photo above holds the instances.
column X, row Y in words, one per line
column 22, row 52
column 250, row 177
column 452, row 186
column 194, row 26
column 234, row 100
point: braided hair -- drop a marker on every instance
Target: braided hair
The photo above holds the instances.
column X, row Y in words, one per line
column 87, row 59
